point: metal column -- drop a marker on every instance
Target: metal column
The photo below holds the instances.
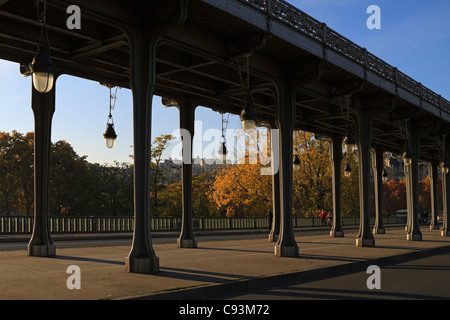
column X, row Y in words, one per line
column 187, row 115
column 364, row 139
column 286, row 112
column 412, row 177
column 142, row 258
column 433, row 167
column 336, row 162
column 378, row 166
column 446, row 191
column 43, row 105
column 274, row 138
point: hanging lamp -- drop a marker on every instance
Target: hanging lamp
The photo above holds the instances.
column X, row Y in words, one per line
column 42, row 67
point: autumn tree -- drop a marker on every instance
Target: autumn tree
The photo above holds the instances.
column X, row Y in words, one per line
column 350, row 187
column 312, row 182
column 394, row 196
column 241, row 191
column 201, row 203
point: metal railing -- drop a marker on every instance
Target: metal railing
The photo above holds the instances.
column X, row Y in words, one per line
column 24, row 224
column 293, row 17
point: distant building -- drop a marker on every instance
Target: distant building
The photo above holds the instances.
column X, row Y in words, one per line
column 172, row 169
column 396, row 170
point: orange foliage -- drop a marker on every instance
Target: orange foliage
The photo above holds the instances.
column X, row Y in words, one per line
column 241, row 191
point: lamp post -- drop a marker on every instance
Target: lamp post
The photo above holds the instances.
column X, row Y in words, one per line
column 43, row 70
column 223, row 151
column 248, row 117
column 349, row 144
column 347, row 170
column 407, row 160
column 444, row 167
column 296, row 162
column 385, row 175
column 110, row 133
column 248, row 114
column 223, row 143
column 42, row 67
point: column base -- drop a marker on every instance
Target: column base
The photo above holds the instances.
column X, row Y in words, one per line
column 413, row 237
column 365, row 242
column 186, row 243
column 336, row 234
column 285, row 251
column 142, row 265
column 378, row 231
column 46, row 250
column 445, row 233
column 273, row 237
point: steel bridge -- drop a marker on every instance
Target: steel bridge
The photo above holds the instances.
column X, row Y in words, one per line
column 300, row 74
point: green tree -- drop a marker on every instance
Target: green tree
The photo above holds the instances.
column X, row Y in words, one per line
column 68, row 180
column 170, row 203
column 159, row 145
column 16, row 169
column 24, row 170
column 8, row 183
column 110, row 189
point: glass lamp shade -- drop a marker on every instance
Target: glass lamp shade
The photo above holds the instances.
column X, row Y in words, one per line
column 222, row 152
column 385, row 176
column 43, row 81
column 347, row 170
column 110, row 142
column 110, row 136
column 43, row 71
column 248, row 118
column 296, row 163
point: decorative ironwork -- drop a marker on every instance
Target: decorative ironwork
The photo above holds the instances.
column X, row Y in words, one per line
column 296, row 19
column 380, row 67
column 345, row 46
column 445, row 105
column 430, row 96
column 408, row 83
column 288, row 14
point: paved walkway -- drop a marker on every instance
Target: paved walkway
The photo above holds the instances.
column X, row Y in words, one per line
column 216, row 267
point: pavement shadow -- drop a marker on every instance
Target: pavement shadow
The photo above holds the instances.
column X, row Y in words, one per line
column 309, row 293
column 196, row 275
column 329, row 258
column 233, row 249
column 89, row 260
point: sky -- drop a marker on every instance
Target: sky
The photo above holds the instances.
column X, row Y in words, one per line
column 414, row 37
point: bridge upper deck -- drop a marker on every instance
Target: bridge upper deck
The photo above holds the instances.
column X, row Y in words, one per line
column 202, row 53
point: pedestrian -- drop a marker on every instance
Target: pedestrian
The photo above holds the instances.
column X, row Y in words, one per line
column 269, row 219
column 323, row 216
column 329, row 218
